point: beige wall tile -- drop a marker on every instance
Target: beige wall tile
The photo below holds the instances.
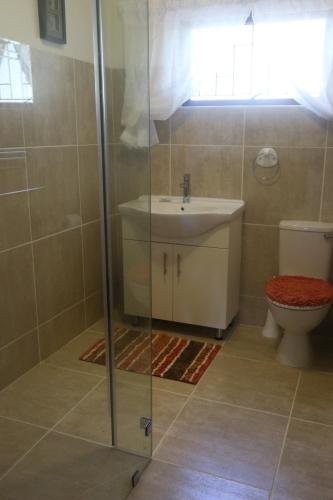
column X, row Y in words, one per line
column 330, row 134
column 160, row 170
column 11, row 130
column 89, row 182
column 50, row 119
column 109, row 103
column 94, row 308
column 295, row 194
column 56, row 206
column 92, row 258
column 60, row 330
column 118, row 88
column 327, row 210
column 259, row 258
column 17, row 303
column 215, row 171
column 306, row 466
column 207, row 126
column 163, row 131
column 85, row 102
column 284, row 126
column 132, row 173
column 252, row 310
column 59, row 280
column 14, row 208
column 17, row 358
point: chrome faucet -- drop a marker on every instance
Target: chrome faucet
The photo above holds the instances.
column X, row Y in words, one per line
column 186, row 188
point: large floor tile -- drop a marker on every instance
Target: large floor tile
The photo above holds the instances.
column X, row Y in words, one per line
column 16, row 439
column 314, row 399
column 68, row 356
column 45, row 394
column 91, row 419
column 248, row 342
column 166, row 406
column 166, row 482
column 264, row 386
column 63, row 468
column 307, row 462
column 234, row 443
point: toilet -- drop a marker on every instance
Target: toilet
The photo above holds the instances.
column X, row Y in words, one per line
column 300, row 297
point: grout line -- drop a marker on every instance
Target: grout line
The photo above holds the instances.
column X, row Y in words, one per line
column 243, row 155
column 34, row 278
column 49, row 431
column 81, row 438
column 246, row 146
column 324, row 175
column 296, row 419
column 81, row 372
column 171, row 425
column 19, row 421
column 17, row 339
column 274, row 482
column 211, row 474
column 79, row 188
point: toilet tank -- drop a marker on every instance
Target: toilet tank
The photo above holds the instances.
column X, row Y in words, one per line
column 305, row 248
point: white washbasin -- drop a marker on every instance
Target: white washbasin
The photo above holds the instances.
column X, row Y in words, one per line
column 174, row 219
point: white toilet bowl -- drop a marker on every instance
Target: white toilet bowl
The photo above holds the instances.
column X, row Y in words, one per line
column 294, row 348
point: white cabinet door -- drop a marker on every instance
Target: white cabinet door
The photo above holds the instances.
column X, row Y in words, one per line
column 200, row 286
column 136, row 266
column 162, row 281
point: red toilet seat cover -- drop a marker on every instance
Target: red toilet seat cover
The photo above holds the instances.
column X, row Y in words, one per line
column 299, row 291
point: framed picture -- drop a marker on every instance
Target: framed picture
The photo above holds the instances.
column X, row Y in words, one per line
column 52, row 20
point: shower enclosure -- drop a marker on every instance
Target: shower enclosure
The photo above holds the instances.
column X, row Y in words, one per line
column 75, row 408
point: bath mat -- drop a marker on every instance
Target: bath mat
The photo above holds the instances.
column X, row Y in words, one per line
column 174, row 358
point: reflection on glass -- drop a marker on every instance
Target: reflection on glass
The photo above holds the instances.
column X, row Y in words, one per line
column 15, row 72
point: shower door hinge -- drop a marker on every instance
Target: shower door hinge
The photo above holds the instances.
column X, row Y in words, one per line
column 146, row 424
column 136, row 478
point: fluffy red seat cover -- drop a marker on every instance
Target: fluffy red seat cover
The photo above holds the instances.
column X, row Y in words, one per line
column 299, row 291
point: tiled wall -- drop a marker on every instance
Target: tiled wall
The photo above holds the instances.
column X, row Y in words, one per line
column 50, row 264
column 217, row 146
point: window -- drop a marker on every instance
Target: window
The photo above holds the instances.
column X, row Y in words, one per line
column 258, row 61
column 15, row 72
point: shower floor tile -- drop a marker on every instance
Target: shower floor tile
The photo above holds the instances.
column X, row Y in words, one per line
column 45, row 394
column 167, row 482
column 233, row 443
column 64, row 468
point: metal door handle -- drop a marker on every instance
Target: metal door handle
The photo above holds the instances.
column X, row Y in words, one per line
column 165, row 262
column 178, row 265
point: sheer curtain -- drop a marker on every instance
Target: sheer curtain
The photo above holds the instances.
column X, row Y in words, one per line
column 171, row 81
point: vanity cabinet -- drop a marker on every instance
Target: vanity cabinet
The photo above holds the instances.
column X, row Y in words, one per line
column 194, row 280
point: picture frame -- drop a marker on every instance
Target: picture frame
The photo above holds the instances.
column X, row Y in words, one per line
column 52, row 21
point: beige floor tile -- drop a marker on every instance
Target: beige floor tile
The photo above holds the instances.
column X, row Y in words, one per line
column 91, row 419
column 314, row 399
column 164, row 384
column 68, row 356
column 99, row 326
column 166, row 406
column 307, row 462
column 234, row 443
column 16, row 439
column 248, row 342
column 255, row 384
column 166, row 482
column 63, row 468
column 45, row 394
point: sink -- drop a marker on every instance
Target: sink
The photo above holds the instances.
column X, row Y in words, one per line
column 172, row 218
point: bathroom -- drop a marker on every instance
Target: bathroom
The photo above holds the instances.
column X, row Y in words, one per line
column 141, row 244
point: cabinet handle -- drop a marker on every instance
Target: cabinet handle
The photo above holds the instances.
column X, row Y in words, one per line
column 178, row 265
column 165, row 262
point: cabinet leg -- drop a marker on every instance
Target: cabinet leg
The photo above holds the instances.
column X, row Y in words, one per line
column 219, row 334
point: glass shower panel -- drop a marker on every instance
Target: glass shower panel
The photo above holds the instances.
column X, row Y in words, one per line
column 128, row 173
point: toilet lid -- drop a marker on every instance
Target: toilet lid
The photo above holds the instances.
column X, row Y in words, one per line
column 299, row 291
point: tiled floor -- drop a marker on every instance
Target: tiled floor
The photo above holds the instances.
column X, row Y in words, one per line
column 251, row 428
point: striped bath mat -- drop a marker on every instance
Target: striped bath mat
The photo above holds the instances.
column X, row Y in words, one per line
column 172, row 357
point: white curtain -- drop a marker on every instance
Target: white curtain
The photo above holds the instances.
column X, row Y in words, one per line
column 170, row 26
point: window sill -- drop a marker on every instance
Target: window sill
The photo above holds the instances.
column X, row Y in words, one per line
column 241, row 102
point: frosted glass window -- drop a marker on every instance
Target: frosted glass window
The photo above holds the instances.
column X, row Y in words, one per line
column 15, row 72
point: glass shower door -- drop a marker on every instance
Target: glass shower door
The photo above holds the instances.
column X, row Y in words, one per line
column 123, row 65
